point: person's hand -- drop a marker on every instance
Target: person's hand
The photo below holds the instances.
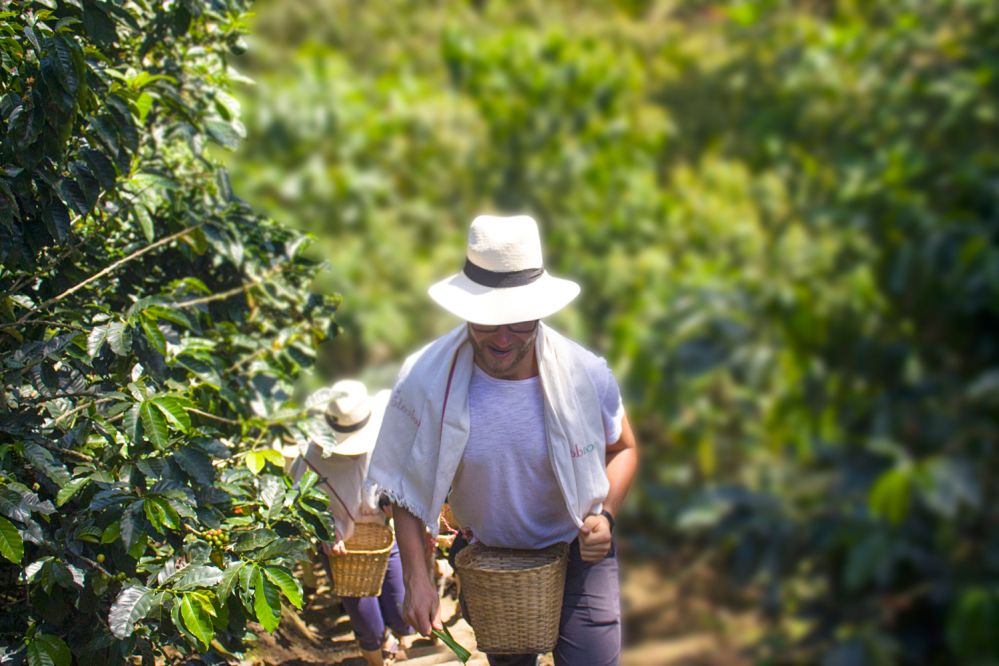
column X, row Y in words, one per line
column 594, row 538
column 421, row 608
column 337, row 548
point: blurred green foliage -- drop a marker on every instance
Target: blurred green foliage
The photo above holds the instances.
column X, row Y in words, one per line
column 785, row 217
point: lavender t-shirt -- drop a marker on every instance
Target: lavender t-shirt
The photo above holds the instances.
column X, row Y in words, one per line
column 505, row 490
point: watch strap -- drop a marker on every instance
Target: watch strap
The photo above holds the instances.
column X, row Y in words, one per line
column 610, row 519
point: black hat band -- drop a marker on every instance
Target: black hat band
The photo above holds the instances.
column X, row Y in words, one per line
column 488, row 278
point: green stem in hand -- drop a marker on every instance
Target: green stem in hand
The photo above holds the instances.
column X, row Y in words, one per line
column 449, row 641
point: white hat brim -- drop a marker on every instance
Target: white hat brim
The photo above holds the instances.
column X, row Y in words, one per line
column 492, row 306
column 363, row 440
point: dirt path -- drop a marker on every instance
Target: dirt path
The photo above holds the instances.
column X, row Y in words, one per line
column 675, row 614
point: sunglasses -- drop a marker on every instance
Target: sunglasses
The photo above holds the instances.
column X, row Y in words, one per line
column 519, row 327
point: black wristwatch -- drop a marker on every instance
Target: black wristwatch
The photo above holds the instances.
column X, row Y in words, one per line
column 610, row 519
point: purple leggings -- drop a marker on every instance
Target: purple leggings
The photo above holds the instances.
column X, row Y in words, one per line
column 589, row 631
column 369, row 615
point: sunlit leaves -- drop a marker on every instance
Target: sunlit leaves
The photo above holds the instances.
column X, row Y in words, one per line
column 197, row 612
column 161, row 514
column 154, row 424
column 131, row 605
column 288, row 585
column 142, row 299
column 266, row 604
column 11, row 543
column 255, row 460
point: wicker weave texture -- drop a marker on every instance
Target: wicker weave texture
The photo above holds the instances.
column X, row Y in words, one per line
column 359, row 573
column 513, row 597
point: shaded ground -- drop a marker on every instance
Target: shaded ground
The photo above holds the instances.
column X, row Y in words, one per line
column 676, row 613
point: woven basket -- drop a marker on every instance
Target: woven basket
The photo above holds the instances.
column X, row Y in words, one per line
column 360, row 572
column 513, row 597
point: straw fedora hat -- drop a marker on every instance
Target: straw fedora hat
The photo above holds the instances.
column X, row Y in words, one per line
column 504, row 280
column 347, row 416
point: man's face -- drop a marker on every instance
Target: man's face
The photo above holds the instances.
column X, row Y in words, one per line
column 507, row 351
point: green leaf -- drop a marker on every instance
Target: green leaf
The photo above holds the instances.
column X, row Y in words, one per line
column 102, row 168
column 87, row 181
column 154, row 513
column 62, row 51
column 44, row 462
column 230, row 577
column 119, row 337
column 456, row 647
column 48, row 650
column 57, row 219
column 95, row 340
column 889, row 498
column 98, row 25
column 246, row 575
column 196, row 575
column 197, row 621
column 972, row 622
column 174, row 410
column 224, row 133
column 282, row 548
column 266, row 603
column 133, row 423
column 107, row 133
column 253, row 540
column 197, row 464
column 11, row 543
column 141, row 213
column 70, row 489
column 138, row 546
column 153, row 334
column 143, row 104
column 72, row 194
column 112, row 532
column 255, row 460
column 132, row 605
column 161, row 514
column 154, row 424
column 274, row 457
column 308, row 480
column 287, row 583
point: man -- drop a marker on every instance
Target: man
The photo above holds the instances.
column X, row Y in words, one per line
column 343, row 430
column 522, row 429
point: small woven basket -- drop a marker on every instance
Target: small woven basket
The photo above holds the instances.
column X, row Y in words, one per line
column 360, row 572
column 513, row 597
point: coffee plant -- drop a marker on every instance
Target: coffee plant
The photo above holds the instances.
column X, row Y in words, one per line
column 153, row 331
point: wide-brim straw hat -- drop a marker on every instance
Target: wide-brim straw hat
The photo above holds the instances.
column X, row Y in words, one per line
column 504, row 280
column 348, row 415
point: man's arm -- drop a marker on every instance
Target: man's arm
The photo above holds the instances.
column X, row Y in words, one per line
column 421, row 608
column 622, row 463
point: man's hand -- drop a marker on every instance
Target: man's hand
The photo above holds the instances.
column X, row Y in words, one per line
column 594, row 538
column 421, row 609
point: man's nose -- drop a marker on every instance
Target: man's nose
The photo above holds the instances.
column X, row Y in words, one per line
column 503, row 335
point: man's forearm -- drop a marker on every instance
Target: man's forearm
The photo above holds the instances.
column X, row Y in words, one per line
column 410, row 534
column 620, row 473
column 622, row 464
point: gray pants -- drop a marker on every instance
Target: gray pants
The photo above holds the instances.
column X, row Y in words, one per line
column 590, row 626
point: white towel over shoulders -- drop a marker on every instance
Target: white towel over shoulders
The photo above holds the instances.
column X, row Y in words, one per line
column 426, row 425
